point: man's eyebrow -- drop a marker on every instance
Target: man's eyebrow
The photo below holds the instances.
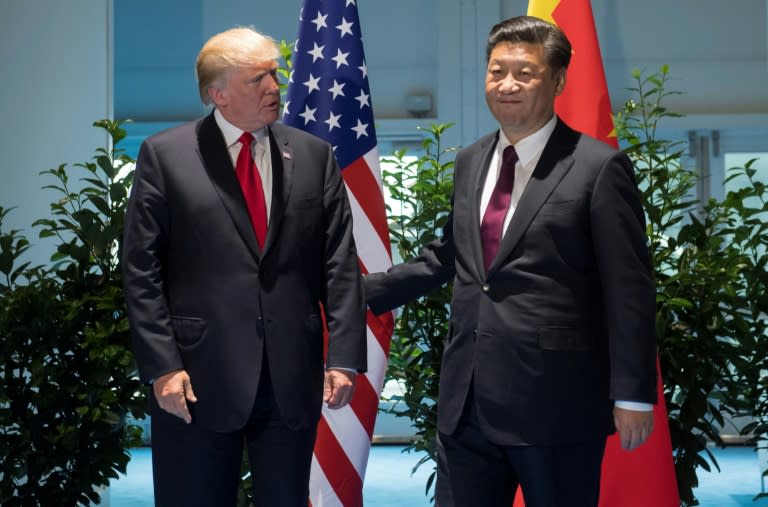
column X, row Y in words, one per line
column 260, row 75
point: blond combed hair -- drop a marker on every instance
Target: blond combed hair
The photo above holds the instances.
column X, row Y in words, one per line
column 234, row 48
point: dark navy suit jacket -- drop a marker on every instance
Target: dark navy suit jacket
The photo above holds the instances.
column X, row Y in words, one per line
column 563, row 321
column 202, row 296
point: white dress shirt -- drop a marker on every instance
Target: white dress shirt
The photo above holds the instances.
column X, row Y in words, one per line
column 259, row 151
column 529, row 152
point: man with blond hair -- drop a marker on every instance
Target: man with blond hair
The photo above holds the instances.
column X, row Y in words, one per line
column 238, row 232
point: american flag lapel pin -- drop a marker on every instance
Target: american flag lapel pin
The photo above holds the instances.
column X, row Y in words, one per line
column 286, row 155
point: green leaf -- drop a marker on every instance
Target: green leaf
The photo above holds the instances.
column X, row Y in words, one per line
column 106, row 165
column 101, row 205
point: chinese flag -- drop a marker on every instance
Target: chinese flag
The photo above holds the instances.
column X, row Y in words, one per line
column 646, row 476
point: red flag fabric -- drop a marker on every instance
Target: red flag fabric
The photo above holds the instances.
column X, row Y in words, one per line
column 646, row 476
column 584, row 104
column 328, row 96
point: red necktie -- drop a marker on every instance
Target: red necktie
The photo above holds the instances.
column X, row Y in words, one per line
column 253, row 190
column 493, row 220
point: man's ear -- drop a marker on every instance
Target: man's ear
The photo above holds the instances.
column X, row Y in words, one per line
column 217, row 95
column 560, row 82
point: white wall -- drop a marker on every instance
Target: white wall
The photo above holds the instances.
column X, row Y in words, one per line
column 55, row 63
column 717, row 51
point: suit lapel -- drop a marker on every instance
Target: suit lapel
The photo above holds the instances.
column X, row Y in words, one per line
column 479, row 165
column 555, row 161
column 215, row 156
column 282, row 180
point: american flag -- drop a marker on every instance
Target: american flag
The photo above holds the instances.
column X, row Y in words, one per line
column 328, row 96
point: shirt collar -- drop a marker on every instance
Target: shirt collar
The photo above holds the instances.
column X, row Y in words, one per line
column 529, row 148
column 231, row 133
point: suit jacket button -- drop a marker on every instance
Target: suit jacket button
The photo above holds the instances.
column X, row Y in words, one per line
column 486, row 287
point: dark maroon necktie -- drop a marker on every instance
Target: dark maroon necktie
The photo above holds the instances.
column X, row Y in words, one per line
column 253, row 190
column 493, row 220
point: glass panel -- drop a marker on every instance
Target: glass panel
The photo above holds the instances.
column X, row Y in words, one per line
column 395, row 207
column 760, row 165
column 740, row 160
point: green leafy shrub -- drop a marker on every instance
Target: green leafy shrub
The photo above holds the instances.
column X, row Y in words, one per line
column 709, row 261
column 67, row 374
column 423, row 187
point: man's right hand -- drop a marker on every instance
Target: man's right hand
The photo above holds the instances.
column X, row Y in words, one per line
column 172, row 392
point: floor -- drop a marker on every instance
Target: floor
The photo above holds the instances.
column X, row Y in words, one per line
column 735, row 486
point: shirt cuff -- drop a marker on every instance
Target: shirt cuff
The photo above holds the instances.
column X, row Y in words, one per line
column 634, row 405
column 341, row 368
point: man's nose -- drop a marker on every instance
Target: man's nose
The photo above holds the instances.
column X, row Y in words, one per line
column 509, row 84
column 274, row 82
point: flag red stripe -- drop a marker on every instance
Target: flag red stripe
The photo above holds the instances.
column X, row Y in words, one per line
column 339, row 471
column 381, row 326
column 365, row 397
column 362, row 183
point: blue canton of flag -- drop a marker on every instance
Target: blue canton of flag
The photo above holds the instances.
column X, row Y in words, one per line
column 328, row 93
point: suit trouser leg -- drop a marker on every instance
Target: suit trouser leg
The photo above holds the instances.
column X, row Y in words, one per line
column 280, row 457
column 559, row 475
column 443, row 494
column 479, row 473
column 485, row 474
column 195, row 467
column 192, row 466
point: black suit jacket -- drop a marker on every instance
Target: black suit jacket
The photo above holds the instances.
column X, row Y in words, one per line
column 563, row 321
column 203, row 297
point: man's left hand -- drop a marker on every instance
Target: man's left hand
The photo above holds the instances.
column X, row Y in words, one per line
column 634, row 426
column 339, row 387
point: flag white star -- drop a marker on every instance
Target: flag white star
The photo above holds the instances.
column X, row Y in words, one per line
column 337, row 89
column 363, row 99
column 364, row 69
column 333, row 121
column 340, row 58
column 312, row 84
column 350, row 2
column 345, row 27
column 317, row 52
column 360, row 129
column 285, row 108
column 309, row 115
column 319, row 21
column 290, row 77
